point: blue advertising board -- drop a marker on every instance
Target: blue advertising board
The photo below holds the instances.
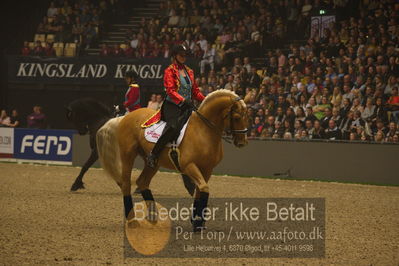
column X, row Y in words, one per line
column 43, row 144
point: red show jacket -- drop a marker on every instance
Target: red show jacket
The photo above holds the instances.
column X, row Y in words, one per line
column 132, row 98
column 172, row 84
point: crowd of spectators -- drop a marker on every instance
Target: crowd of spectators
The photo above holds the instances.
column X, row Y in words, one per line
column 338, row 84
column 74, row 21
column 37, row 119
column 155, row 101
column 38, row 49
column 215, row 31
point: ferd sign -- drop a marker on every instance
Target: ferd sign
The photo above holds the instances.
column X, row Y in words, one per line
column 49, row 145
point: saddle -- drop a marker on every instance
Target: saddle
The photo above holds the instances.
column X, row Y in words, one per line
column 154, row 126
column 153, row 132
column 155, row 118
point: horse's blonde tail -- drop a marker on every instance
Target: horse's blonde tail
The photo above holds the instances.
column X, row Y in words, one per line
column 108, row 149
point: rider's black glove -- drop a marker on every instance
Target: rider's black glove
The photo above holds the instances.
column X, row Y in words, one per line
column 188, row 104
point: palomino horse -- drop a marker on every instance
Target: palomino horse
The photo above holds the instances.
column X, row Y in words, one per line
column 88, row 116
column 200, row 150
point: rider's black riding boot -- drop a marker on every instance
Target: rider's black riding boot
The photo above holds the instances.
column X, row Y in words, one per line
column 167, row 135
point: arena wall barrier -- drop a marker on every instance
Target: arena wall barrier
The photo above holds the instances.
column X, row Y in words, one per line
column 6, row 142
column 47, row 146
column 327, row 161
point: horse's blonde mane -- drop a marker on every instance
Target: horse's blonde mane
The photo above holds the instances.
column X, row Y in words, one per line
column 219, row 93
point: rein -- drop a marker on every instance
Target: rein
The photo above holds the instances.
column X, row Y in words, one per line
column 213, row 126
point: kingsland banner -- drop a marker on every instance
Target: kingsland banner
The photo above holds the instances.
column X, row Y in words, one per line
column 89, row 70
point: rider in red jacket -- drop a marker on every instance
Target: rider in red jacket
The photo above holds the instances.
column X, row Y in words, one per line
column 180, row 88
column 132, row 96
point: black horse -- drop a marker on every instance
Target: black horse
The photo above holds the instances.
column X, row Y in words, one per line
column 88, row 116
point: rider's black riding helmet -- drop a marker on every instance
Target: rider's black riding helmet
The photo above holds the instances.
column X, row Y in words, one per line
column 131, row 74
column 178, row 49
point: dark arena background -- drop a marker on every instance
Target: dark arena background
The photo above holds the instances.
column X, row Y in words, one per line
column 320, row 81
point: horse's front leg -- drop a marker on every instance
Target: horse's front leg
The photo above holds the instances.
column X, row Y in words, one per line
column 188, row 184
column 78, row 184
column 201, row 196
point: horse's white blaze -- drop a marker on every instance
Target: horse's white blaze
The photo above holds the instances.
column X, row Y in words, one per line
column 108, row 149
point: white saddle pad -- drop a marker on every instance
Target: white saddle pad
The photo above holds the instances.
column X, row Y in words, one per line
column 152, row 133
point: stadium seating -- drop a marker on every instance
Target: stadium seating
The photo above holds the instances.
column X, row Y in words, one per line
column 39, row 37
column 31, row 45
column 59, row 48
column 294, row 60
column 70, row 49
column 50, row 38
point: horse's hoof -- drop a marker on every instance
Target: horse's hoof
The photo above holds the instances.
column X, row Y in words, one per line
column 198, row 225
column 197, row 229
column 77, row 185
column 152, row 217
column 131, row 216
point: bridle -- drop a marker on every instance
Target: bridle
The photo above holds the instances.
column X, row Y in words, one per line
column 229, row 131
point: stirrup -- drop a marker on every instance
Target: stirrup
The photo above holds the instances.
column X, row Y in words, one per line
column 152, row 160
